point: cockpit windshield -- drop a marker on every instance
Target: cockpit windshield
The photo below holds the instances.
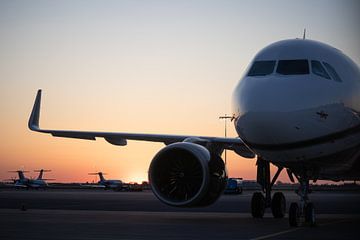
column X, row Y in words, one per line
column 261, row 68
column 319, row 70
column 293, row 67
column 332, row 72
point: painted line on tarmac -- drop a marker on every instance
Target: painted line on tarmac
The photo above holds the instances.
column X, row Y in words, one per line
column 276, row 234
column 294, row 229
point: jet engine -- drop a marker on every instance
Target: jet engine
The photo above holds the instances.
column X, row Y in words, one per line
column 187, row 175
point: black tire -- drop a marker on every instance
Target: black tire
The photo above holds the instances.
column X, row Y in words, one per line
column 278, row 205
column 240, row 190
column 310, row 214
column 294, row 215
column 258, row 205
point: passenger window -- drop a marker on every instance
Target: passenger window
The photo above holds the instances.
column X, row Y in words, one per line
column 332, row 72
column 262, row 68
column 293, row 67
column 319, row 70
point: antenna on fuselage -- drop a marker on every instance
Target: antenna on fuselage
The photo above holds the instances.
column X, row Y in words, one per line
column 304, row 35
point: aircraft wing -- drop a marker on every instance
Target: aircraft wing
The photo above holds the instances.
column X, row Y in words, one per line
column 120, row 138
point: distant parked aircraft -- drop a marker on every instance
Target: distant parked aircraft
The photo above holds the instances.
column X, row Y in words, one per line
column 108, row 184
column 24, row 182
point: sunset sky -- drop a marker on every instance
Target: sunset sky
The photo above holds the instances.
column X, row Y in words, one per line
column 138, row 66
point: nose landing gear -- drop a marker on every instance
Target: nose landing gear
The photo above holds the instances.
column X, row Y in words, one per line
column 305, row 210
column 261, row 200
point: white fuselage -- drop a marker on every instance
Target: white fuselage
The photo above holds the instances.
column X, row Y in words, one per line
column 111, row 183
column 30, row 183
column 301, row 118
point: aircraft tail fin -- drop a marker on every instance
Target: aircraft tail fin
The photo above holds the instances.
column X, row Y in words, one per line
column 101, row 175
column 41, row 173
column 20, row 173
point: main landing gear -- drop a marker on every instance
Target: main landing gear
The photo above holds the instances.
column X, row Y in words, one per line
column 262, row 200
column 259, row 202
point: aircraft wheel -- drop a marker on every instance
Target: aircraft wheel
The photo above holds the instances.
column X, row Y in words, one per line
column 258, row 205
column 310, row 214
column 278, row 205
column 294, row 215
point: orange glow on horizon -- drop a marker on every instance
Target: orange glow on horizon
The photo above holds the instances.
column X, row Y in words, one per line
column 146, row 70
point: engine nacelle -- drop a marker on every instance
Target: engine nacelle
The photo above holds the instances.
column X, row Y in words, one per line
column 187, row 175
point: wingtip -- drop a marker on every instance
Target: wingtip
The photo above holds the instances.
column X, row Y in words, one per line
column 35, row 113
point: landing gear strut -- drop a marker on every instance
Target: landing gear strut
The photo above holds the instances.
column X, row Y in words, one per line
column 305, row 210
column 259, row 202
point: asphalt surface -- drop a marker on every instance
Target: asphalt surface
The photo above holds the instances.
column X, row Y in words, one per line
column 100, row 214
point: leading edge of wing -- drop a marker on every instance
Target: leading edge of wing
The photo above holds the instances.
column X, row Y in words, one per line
column 120, row 139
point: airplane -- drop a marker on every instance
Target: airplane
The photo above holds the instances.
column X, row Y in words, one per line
column 24, row 182
column 296, row 107
column 108, row 184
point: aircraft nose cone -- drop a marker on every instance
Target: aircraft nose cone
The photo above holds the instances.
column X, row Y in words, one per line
column 263, row 107
column 262, row 127
column 284, row 110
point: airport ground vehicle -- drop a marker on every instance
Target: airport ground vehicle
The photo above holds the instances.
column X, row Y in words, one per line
column 233, row 186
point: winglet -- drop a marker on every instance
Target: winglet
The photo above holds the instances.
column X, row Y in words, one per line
column 35, row 114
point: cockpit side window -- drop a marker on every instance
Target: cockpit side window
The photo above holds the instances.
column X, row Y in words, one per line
column 332, row 72
column 318, row 69
column 261, row 68
column 293, row 67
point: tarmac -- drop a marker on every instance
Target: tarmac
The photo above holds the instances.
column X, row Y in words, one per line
column 100, row 214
